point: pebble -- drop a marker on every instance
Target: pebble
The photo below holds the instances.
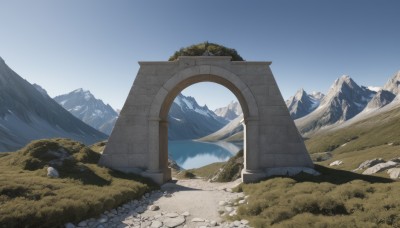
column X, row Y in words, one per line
column 186, row 213
column 173, row 222
column 156, row 224
column 197, row 220
column 222, row 203
column 69, row 225
column 154, row 208
column 228, row 209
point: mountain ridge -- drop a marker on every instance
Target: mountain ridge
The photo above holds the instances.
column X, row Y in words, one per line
column 26, row 114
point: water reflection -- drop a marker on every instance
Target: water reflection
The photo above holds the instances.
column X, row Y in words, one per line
column 192, row 154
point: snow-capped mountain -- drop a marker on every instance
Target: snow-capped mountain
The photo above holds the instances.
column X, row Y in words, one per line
column 233, row 131
column 27, row 114
column 344, row 100
column 188, row 120
column 381, row 99
column 229, row 112
column 302, row 104
column 83, row 105
column 393, row 84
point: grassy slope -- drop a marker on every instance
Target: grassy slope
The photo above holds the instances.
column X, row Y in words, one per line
column 334, row 199
column 338, row 198
column 29, row 198
column 375, row 131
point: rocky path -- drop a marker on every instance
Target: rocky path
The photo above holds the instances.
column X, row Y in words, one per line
column 186, row 203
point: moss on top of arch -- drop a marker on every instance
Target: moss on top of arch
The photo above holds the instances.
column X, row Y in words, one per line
column 207, row 48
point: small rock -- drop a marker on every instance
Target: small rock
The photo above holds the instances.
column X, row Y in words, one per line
column 186, row 213
column 229, row 190
column 154, row 208
column 197, row 220
column 233, row 213
column 83, row 223
column 237, row 223
column 68, row 225
column 140, row 210
column 103, row 219
column 171, row 215
column 147, row 195
column 213, row 223
column 335, row 163
column 228, row 209
column 242, row 201
column 244, row 221
column 222, row 203
column 52, row 172
column 173, row 222
column 156, row 224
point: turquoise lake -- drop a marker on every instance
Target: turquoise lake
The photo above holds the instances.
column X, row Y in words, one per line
column 193, row 154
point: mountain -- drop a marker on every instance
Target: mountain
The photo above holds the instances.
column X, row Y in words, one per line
column 393, row 84
column 381, row 99
column 233, row 131
column 302, row 104
column 188, row 120
column 344, row 100
column 27, row 114
column 83, row 105
column 229, row 112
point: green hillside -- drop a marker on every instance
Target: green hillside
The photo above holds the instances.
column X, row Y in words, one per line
column 29, row 198
column 379, row 130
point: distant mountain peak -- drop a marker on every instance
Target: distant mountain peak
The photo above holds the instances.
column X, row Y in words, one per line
column 40, row 89
column 83, row 105
column 344, row 100
column 302, row 103
column 393, row 84
column 229, row 112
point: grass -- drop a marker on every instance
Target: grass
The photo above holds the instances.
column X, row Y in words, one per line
column 335, row 199
column 376, row 131
column 29, row 198
column 231, row 170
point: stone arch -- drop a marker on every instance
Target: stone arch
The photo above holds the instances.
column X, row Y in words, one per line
column 166, row 95
column 139, row 141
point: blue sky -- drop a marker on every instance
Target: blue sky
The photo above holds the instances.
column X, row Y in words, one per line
column 64, row 45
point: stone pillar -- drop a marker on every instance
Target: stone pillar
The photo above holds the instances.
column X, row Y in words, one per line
column 251, row 171
column 153, row 167
column 163, row 154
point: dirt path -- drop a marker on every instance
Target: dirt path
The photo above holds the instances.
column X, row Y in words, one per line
column 181, row 203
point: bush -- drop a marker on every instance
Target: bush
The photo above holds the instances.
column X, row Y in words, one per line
column 201, row 48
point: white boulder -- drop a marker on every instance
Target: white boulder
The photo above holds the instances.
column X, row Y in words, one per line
column 380, row 167
column 335, row 163
column 52, row 172
column 394, row 173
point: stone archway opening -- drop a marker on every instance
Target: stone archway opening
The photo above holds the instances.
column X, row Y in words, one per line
column 166, row 106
